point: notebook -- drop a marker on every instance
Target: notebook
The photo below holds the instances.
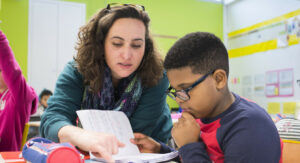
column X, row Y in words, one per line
column 117, row 123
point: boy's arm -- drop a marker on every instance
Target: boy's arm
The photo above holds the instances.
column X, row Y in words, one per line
column 191, row 148
column 252, row 140
column 148, row 145
column 194, row 152
column 164, row 148
column 247, row 141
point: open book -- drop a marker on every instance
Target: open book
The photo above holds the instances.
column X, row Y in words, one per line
column 117, row 123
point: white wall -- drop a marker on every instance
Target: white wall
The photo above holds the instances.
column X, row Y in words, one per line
column 244, row 13
column 53, row 28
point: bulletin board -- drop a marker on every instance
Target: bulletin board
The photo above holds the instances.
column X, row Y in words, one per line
column 265, row 63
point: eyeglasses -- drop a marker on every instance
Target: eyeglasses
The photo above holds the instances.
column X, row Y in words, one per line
column 139, row 7
column 183, row 94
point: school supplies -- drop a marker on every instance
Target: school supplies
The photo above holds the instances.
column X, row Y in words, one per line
column 41, row 150
column 117, row 123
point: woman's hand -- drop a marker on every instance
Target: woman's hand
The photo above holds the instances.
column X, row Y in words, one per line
column 145, row 143
column 186, row 130
column 100, row 144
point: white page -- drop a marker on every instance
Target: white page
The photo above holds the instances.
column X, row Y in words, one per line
column 147, row 157
column 117, row 123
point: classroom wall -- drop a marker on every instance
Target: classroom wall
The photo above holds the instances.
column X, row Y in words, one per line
column 244, row 13
column 170, row 19
column 14, row 22
column 241, row 15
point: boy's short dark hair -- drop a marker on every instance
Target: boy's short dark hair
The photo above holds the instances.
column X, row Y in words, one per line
column 45, row 92
column 202, row 51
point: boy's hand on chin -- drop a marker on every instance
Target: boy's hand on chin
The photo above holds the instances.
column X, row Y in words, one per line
column 186, row 130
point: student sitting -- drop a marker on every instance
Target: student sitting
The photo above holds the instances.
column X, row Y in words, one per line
column 216, row 125
column 43, row 98
column 18, row 99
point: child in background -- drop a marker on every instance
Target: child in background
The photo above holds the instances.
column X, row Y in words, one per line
column 18, row 100
column 228, row 128
column 43, row 98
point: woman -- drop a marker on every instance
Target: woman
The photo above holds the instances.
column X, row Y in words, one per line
column 17, row 99
column 116, row 68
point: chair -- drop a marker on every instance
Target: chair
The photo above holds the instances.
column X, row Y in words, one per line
column 290, row 153
column 25, row 133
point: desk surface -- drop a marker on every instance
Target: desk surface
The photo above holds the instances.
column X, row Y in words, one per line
column 12, row 157
column 290, row 153
column 34, row 123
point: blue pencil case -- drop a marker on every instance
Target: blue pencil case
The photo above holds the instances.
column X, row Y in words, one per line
column 41, row 150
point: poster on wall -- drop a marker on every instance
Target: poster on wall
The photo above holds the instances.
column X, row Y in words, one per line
column 272, row 84
column 279, row 83
column 235, row 85
column 247, row 86
column 259, row 85
column 286, row 82
column 279, row 32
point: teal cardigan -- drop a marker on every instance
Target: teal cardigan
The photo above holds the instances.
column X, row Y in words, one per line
column 151, row 117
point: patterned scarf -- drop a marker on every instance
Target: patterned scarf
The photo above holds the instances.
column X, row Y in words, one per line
column 128, row 94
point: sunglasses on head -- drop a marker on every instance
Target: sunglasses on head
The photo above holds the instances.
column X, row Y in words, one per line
column 139, row 7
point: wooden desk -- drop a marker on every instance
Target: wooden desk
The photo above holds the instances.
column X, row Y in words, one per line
column 11, row 157
column 291, row 151
column 34, row 123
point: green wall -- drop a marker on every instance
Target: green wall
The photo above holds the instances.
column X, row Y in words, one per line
column 173, row 18
column 14, row 23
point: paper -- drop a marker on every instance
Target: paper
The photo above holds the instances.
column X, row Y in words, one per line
column 117, row 123
column 272, row 77
column 273, row 107
column 271, row 90
column 289, row 108
column 286, row 82
column 282, row 41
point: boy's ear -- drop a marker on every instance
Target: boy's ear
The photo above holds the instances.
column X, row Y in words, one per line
column 220, row 78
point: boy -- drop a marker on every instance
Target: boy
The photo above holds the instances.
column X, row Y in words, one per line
column 43, row 97
column 231, row 128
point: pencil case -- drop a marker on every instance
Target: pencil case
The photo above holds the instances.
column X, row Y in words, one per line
column 41, row 150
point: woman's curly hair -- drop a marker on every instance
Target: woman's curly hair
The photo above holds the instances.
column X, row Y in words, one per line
column 91, row 37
